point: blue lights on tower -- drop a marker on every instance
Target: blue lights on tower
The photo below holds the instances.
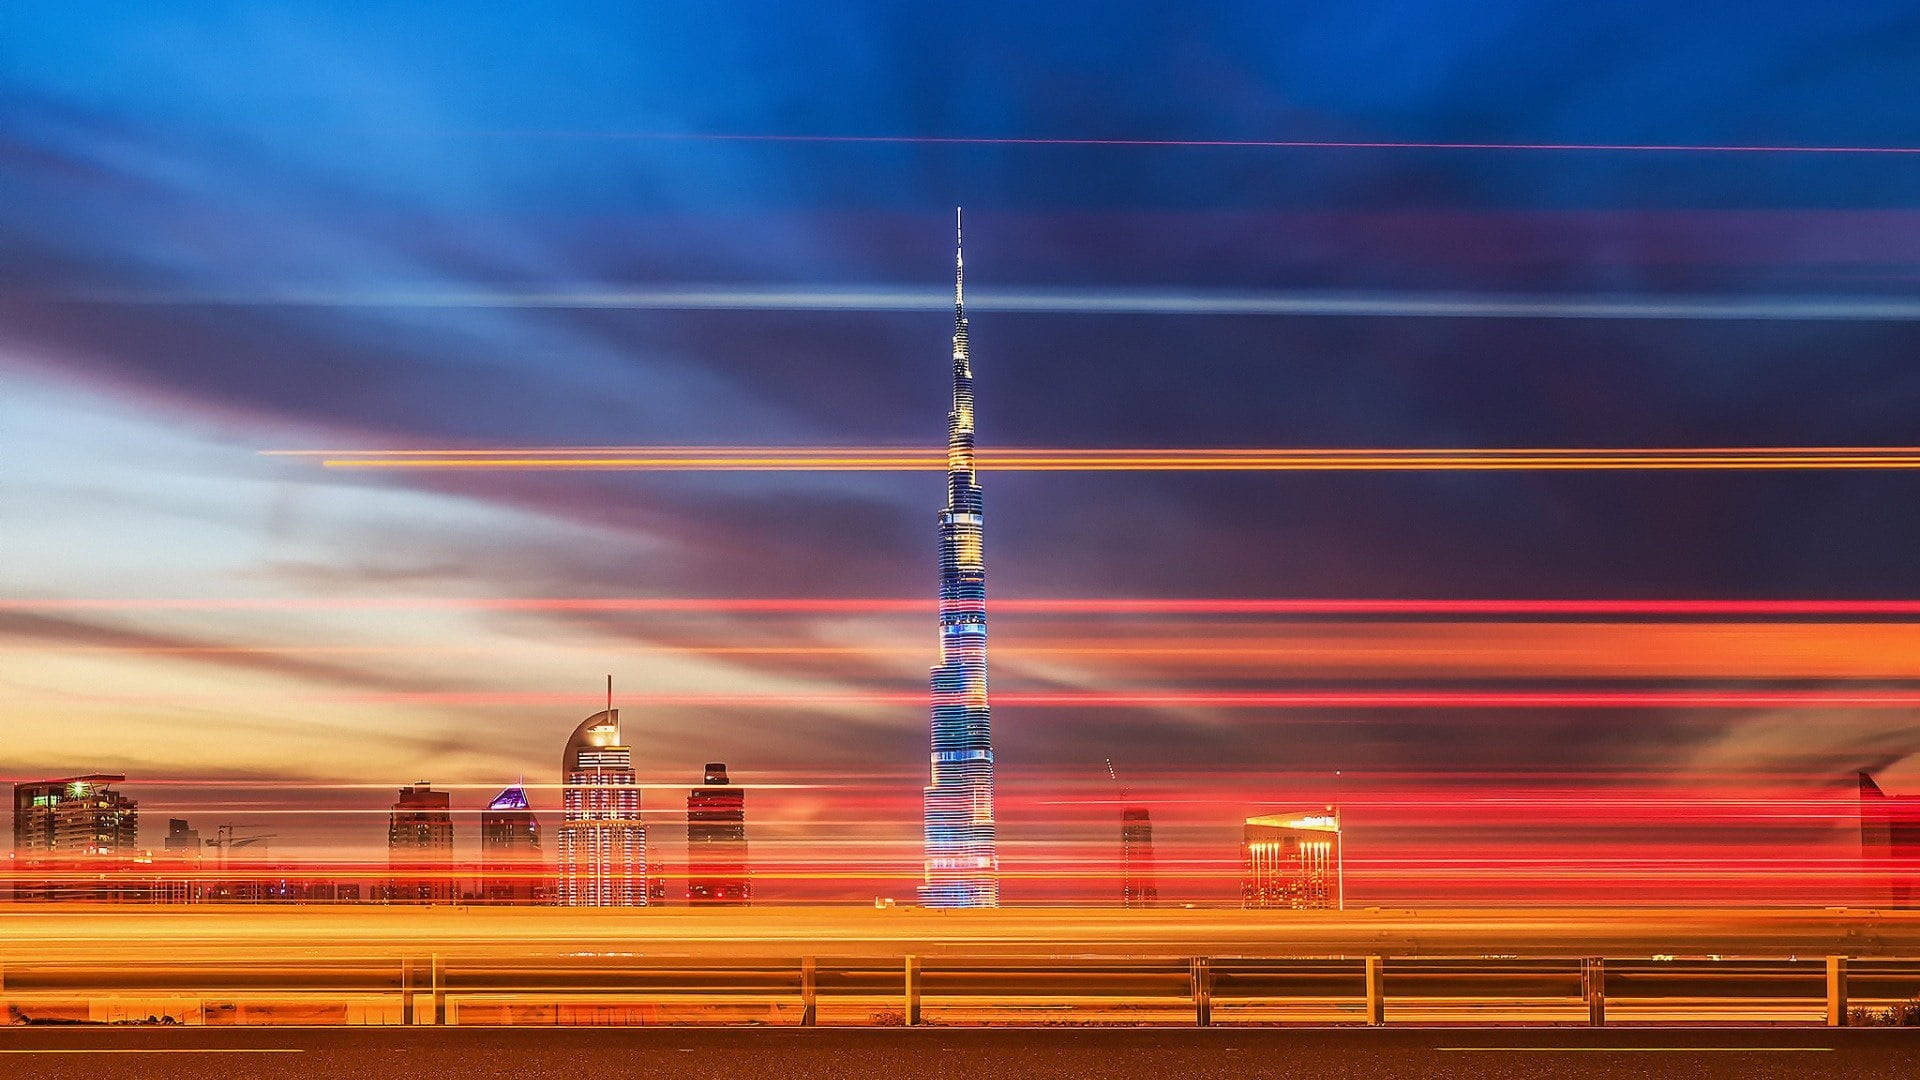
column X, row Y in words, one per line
column 962, row 865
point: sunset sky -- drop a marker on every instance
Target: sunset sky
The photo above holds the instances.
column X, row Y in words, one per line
column 227, row 229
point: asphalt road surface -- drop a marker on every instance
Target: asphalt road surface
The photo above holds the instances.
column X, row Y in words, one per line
column 128, row 1053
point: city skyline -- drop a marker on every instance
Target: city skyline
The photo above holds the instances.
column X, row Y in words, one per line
column 235, row 247
column 1415, row 577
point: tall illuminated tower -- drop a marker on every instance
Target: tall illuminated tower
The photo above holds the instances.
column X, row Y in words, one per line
column 962, row 868
column 603, row 845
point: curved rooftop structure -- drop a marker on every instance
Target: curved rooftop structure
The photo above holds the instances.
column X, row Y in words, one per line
column 599, row 731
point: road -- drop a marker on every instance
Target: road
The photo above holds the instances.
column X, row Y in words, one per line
column 103, row 1053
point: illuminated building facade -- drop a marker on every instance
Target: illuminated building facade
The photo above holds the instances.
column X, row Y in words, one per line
column 962, row 863
column 1890, row 844
column 65, row 827
column 717, row 841
column 1292, row 861
column 420, row 846
column 1137, row 887
column 512, row 867
column 603, row 845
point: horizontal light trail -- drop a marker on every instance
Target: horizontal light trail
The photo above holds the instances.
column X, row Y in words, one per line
column 1149, row 699
column 894, row 459
column 1195, row 144
column 1267, row 650
column 1419, row 305
column 808, row 605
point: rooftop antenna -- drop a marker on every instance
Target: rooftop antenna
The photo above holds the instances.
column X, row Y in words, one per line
column 1115, row 777
column 609, row 693
column 959, row 262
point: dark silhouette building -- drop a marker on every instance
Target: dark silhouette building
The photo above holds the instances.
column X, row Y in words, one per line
column 513, row 869
column 182, row 840
column 420, row 846
column 717, row 841
column 1889, row 844
column 1137, row 886
column 73, row 839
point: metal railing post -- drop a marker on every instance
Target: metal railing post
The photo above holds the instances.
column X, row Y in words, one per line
column 1836, row 991
column 406, row 990
column 1593, row 987
column 912, row 980
column 1376, row 991
column 1200, row 978
column 436, row 982
column 808, row 1011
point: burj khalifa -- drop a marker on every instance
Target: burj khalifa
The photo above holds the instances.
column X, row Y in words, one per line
column 962, row 866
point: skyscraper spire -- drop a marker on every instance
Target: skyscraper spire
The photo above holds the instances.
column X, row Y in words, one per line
column 962, row 863
column 959, row 264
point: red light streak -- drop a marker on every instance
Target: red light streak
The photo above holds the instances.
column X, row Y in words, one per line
column 1021, row 605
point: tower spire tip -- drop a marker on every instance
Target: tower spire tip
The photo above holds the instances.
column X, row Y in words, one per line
column 959, row 262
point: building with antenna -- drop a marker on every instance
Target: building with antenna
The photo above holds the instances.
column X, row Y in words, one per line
column 1137, row 886
column 962, row 867
column 602, row 842
column 513, row 869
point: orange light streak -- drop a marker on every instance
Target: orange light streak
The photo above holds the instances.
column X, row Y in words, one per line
column 1438, row 650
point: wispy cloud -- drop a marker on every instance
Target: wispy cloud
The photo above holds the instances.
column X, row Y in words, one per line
column 1415, row 305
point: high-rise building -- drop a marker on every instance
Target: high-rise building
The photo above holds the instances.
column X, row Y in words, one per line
column 962, row 862
column 717, row 841
column 603, row 845
column 1137, row 887
column 1890, row 843
column 182, row 840
column 513, row 870
column 1292, row 861
column 420, row 846
column 72, row 838
column 176, row 871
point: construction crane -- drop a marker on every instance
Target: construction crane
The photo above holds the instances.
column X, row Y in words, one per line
column 224, row 839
